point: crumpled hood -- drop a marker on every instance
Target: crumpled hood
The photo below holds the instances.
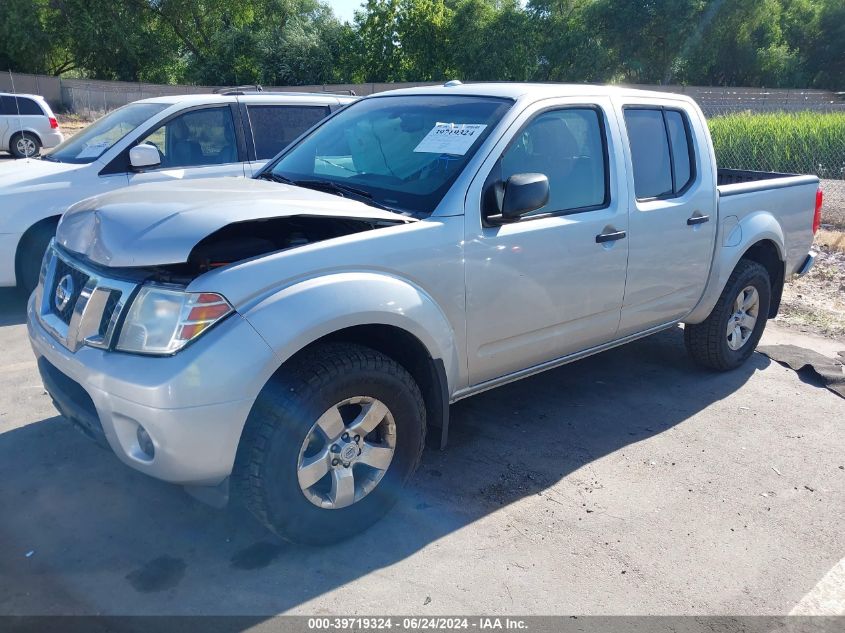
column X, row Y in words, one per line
column 159, row 223
column 32, row 174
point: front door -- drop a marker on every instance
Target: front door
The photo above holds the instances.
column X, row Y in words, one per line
column 672, row 216
column 552, row 283
column 201, row 143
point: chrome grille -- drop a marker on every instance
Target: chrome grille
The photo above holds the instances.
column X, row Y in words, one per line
column 87, row 313
column 78, row 279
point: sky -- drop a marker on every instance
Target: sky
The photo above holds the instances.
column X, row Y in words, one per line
column 344, row 9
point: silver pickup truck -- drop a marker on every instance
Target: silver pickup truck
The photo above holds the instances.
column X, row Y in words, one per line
column 296, row 336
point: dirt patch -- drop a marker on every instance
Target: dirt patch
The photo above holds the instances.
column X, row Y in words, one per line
column 71, row 124
column 514, row 482
column 816, row 303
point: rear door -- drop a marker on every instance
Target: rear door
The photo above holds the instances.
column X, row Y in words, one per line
column 552, row 283
column 272, row 126
column 201, row 142
column 672, row 219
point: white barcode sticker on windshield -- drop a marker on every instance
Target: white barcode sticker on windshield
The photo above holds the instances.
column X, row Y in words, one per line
column 93, row 150
column 450, row 138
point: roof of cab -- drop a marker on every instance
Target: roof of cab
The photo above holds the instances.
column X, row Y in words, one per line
column 205, row 98
column 535, row 90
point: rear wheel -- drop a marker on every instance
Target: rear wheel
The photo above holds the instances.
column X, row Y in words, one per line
column 729, row 335
column 330, row 443
column 24, row 145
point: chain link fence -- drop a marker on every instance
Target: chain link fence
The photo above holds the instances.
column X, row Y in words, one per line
column 809, row 141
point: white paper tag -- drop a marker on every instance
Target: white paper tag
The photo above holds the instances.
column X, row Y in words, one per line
column 450, row 138
column 95, row 149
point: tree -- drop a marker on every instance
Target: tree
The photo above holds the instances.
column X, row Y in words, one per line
column 825, row 50
column 492, row 41
column 743, row 45
column 380, row 57
column 644, row 38
column 569, row 48
column 423, row 29
column 32, row 38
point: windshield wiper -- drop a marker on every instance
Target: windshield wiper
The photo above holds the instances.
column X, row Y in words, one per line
column 269, row 175
column 333, row 187
column 329, row 186
column 49, row 158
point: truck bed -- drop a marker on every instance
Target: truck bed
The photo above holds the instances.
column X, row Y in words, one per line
column 788, row 198
column 736, row 176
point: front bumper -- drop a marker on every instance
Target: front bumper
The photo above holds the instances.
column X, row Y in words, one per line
column 193, row 404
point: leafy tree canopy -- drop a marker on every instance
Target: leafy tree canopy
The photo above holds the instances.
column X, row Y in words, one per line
column 775, row 43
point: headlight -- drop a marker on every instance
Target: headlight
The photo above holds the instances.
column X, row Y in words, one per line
column 163, row 321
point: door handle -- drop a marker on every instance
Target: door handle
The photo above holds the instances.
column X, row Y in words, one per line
column 610, row 237
column 698, row 219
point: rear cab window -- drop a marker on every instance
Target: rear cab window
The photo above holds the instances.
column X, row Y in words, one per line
column 662, row 154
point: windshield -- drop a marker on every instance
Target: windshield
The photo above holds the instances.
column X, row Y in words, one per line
column 401, row 152
column 89, row 144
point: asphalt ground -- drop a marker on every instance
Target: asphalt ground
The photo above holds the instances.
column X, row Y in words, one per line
column 631, row 482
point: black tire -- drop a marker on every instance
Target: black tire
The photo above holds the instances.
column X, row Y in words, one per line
column 30, row 253
column 265, row 473
column 17, row 152
column 707, row 341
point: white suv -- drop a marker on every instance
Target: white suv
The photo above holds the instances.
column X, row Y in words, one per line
column 153, row 140
column 26, row 125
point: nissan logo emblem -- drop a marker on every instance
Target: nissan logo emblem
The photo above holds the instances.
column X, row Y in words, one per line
column 64, row 292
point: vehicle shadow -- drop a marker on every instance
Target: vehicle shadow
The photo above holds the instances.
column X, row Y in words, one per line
column 12, row 306
column 106, row 539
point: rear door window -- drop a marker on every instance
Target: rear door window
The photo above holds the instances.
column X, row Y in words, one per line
column 679, row 142
column 661, row 152
column 274, row 127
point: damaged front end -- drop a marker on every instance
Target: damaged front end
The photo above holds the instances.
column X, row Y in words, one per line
column 241, row 241
column 178, row 231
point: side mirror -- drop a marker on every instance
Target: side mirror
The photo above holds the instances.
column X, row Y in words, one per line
column 523, row 193
column 143, row 156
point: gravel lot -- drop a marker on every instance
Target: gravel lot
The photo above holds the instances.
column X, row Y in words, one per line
column 627, row 483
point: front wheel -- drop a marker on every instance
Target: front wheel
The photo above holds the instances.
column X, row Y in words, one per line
column 330, row 443
column 729, row 335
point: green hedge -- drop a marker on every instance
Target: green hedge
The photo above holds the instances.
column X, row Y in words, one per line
column 802, row 143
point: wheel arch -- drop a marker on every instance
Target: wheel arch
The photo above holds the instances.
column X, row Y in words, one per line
column 766, row 253
column 16, row 133
column 758, row 237
column 409, row 351
column 391, row 315
column 49, row 221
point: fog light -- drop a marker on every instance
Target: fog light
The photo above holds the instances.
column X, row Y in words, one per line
column 145, row 442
